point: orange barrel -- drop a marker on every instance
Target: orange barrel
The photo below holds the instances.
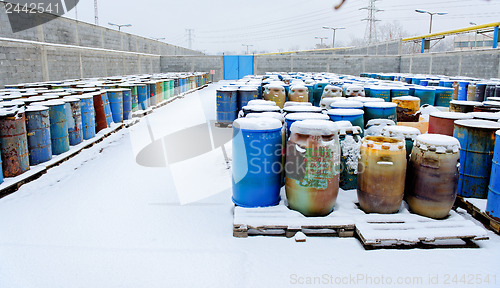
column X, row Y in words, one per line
column 100, row 114
column 433, row 175
column 381, row 174
column 443, row 122
column 13, row 142
column 463, row 106
column 298, row 93
column 312, row 167
column 455, row 87
column 275, row 93
column 407, row 110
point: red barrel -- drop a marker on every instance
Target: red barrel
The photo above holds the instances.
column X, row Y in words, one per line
column 443, row 122
column 100, row 115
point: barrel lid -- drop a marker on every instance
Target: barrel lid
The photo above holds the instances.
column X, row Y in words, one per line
column 444, row 88
column 406, row 98
column 312, row 109
column 261, row 108
column 401, row 132
column 306, row 116
column 34, row 99
column 367, row 99
column 466, row 103
column 274, row 85
column 274, row 115
column 70, row 99
column 114, row 90
column 437, row 142
column 425, row 88
column 346, row 112
column 380, row 122
column 451, row 115
column 11, row 97
column 383, row 143
column 228, row 89
column 249, row 88
column 346, row 104
column 486, row 115
column 9, row 104
column 314, row 127
column 400, row 88
column 298, row 86
column 379, row 88
column 259, row 124
column 85, row 96
column 261, row 102
column 493, row 99
column 491, row 103
column 36, row 108
column 381, row 105
column 290, row 103
column 476, row 123
column 50, row 103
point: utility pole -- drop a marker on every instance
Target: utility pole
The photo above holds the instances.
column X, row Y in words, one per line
column 190, row 37
column 334, row 29
column 371, row 30
column 321, row 39
column 248, row 45
column 95, row 13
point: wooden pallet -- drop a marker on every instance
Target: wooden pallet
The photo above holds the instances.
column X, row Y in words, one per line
column 281, row 221
column 478, row 213
column 407, row 230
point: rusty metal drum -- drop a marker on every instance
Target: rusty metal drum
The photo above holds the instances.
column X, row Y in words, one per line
column 444, row 122
column 433, row 175
column 13, row 142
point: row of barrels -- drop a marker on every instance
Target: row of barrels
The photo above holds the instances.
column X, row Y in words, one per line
column 37, row 123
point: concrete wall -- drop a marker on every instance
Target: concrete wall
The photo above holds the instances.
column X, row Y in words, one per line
column 194, row 64
column 64, row 48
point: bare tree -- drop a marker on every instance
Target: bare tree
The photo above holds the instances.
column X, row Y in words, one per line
column 391, row 31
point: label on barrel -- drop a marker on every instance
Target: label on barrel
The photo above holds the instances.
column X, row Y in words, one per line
column 319, row 167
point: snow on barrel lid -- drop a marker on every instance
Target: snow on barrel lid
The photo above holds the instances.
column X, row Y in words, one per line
column 314, row 127
column 261, row 102
column 347, row 104
column 49, row 103
column 257, row 124
column 406, row 98
column 367, row 99
column 311, row 109
column 290, row 103
column 345, row 112
column 228, row 89
column 274, row 115
column 379, row 122
column 486, row 115
column 10, row 112
column 274, row 85
column 466, row 103
column 85, row 96
column 248, row 88
column 381, row 105
column 491, row 103
column 306, row 116
column 343, row 124
column 401, row 132
column 437, row 142
column 493, row 99
column 452, row 115
column 261, row 108
column 69, row 99
column 36, row 108
column 476, row 123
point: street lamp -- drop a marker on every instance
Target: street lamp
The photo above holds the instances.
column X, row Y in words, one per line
column 120, row 25
column 321, row 39
column 248, row 45
column 334, row 29
column 432, row 14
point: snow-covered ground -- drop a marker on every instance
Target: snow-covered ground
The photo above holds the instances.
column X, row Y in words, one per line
column 112, row 217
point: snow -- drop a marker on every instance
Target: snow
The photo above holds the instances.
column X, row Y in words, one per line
column 314, row 127
column 101, row 219
column 274, row 115
column 452, row 115
column 306, row 115
column 33, row 108
column 486, row 115
column 475, row 123
column 351, row 151
column 302, row 109
column 491, row 103
column 260, row 102
column 347, row 104
column 441, row 143
column 50, row 103
column 406, row 98
column 402, row 132
column 466, row 103
column 290, row 103
column 261, row 108
column 258, row 124
column 380, row 105
column 378, row 145
column 346, row 112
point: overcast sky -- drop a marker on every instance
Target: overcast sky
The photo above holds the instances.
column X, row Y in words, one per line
column 271, row 25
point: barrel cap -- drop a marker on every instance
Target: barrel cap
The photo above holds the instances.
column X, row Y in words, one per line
column 314, row 127
column 401, row 132
column 305, row 116
column 228, row 89
column 491, row 103
column 274, row 115
column 437, row 142
column 310, row 109
column 249, row 88
column 380, row 105
column 257, row 124
column 345, row 112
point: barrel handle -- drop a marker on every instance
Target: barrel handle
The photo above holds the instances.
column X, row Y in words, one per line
column 385, row 163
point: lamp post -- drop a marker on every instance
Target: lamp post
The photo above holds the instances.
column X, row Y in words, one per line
column 247, row 45
column 321, row 39
column 432, row 14
column 119, row 25
column 334, row 29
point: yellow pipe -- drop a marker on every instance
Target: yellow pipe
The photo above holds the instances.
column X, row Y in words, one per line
column 456, row 31
column 300, row 51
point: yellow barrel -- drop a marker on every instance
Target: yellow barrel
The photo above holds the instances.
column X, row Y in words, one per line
column 275, row 93
column 407, row 110
column 381, row 174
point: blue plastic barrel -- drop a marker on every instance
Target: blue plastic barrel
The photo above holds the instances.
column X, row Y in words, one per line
column 424, row 83
column 380, row 110
column 227, row 105
column 399, row 92
column 13, row 142
column 310, row 88
column 381, row 92
column 116, row 104
column 74, row 119
column 127, row 103
column 245, row 94
column 257, row 162
column 493, row 204
column 152, row 93
column 38, row 131
column 318, row 92
column 416, row 80
column 477, row 143
column 58, row 126
column 142, row 96
column 355, row 116
column 88, row 115
column 446, row 83
column 444, row 96
column 426, row 95
column 367, row 91
column 462, row 90
column 107, row 108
